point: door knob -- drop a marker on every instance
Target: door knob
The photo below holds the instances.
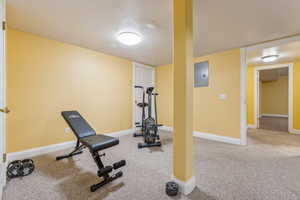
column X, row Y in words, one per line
column 5, row 110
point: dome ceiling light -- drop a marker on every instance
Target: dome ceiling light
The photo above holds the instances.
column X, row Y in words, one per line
column 129, row 38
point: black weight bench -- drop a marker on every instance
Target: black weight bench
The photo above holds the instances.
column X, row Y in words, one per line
column 87, row 137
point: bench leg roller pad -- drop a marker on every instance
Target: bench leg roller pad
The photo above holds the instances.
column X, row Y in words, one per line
column 119, row 164
column 106, row 180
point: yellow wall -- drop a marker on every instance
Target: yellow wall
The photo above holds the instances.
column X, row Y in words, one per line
column 211, row 115
column 296, row 100
column 45, row 77
column 296, row 95
column 164, row 87
column 274, row 96
column 250, row 93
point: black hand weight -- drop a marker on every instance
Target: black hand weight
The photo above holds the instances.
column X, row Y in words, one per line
column 20, row 168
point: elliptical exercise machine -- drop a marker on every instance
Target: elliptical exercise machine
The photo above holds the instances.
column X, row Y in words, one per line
column 141, row 105
column 149, row 127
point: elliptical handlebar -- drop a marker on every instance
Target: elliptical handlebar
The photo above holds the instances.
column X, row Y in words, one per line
column 138, row 86
column 149, row 90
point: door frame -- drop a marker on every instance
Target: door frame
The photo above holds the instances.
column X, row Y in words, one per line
column 257, row 69
column 134, row 66
column 3, row 101
column 243, row 85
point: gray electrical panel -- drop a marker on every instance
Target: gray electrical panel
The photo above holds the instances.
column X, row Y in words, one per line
column 201, row 74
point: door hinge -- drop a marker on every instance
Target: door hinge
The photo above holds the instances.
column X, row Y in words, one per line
column 4, row 158
column 5, row 110
column 3, row 25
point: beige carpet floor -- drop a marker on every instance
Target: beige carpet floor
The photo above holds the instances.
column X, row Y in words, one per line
column 268, row 168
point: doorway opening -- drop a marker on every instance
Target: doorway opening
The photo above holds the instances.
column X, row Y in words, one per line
column 272, row 98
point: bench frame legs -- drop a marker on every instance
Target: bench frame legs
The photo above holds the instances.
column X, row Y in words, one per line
column 77, row 150
column 103, row 172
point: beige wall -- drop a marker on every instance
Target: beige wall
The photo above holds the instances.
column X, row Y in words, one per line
column 274, row 96
column 45, row 77
column 211, row 115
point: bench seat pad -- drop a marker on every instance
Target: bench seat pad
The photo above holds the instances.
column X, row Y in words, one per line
column 99, row 142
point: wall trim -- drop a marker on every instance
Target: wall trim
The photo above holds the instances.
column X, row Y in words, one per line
column 295, row 131
column 121, row 133
column 273, row 115
column 185, row 187
column 55, row 147
column 166, row 128
column 217, row 138
column 243, row 96
column 209, row 136
column 39, row 151
column 3, row 92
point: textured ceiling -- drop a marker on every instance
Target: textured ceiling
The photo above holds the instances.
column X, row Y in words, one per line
column 218, row 25
column 287, row 53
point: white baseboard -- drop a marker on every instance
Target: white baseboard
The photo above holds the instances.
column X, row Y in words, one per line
column 208, row 136
column 217, row 138
column 166, row 128
column 274, row 115
column 251, row 126
column 120, row 133
column 55, row 147
column 39, row 151
column 185, row 187
column 295, row 131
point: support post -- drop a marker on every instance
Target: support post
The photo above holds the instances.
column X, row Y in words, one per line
column 183, row 71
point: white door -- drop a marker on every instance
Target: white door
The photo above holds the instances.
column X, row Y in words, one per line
column 143, row 76
column 2, row 96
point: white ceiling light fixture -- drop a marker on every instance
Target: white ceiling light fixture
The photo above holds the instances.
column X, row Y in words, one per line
column 269, row 58
column 129, row 38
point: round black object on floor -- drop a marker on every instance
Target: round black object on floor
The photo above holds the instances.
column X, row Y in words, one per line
column 19, row 168
column 172, row 188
